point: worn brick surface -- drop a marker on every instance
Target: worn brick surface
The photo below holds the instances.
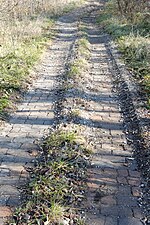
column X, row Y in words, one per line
column 134, row 181
column 108, row 200
column 1, row 221
column 136, row 191
column 129, row 221
column 114, row 178
column 5, row 211
column 111, row 221
column 31, row 121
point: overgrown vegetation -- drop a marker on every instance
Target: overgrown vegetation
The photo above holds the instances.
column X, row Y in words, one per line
column 25, row 27
column 57, row 183
column 129, row 25
column 80, row 64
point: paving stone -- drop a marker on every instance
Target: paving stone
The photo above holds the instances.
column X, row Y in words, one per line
column 96, row 118
column 115, row 211
column 116, row 132
column 105, row 161
column 108, row 200
column 106, row 180
column 22, row 140
column 5, row 212
column 34, row 117
column 126, row 200
column 93, row 186
column 129, row 221
column 134, row 181
column 136, row 191
column 123, row 173
column 8, row 180
column 121, row 152
column 95, row 220
column 111, row 221
column 12, row 145
column 110, row 172
column 13, row 167
column 3, row 200
column 4, row 172
column 3, row 150
column 122, row 180
column 8, row 158
column 134, row 174
column 29, row 146
column 137, row 212
column 2, row 221
column 8, row 190
column 124, row 190
column 14, row 201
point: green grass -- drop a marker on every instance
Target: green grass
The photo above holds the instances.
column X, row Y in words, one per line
column 83, row 48
column 74, row 70
column 18, row 56
column 79, row 65
column 57, row 182
column 133, row 41
column 75, row 113
column 16, row 65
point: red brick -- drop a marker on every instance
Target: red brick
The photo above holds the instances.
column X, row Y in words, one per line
column 122, row 180
column 110, row 172
column 134, row 181
column 96, row 117
column 134, row 173
column 137, row 213
column 92, row 186
column 108, row 180
column 123, row 172
column 136, row 191
column 108, row 200
column 5, row 211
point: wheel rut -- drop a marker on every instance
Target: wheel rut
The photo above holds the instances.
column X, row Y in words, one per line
column 114, row 180
column 113, row 177
column 34, row 117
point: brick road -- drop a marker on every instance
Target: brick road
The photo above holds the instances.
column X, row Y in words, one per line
column 32, row 120
column 114, row 181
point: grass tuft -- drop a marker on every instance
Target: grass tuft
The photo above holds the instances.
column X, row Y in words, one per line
column 56, row 187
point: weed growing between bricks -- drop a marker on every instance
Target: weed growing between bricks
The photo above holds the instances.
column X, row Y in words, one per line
column 23, row 42
column 57, row 183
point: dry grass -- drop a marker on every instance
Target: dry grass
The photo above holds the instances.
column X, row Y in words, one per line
column 21, row 20
column 133, row 40
column 25, row 26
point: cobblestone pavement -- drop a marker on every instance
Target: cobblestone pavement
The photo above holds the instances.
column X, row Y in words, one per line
column 114, row 180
